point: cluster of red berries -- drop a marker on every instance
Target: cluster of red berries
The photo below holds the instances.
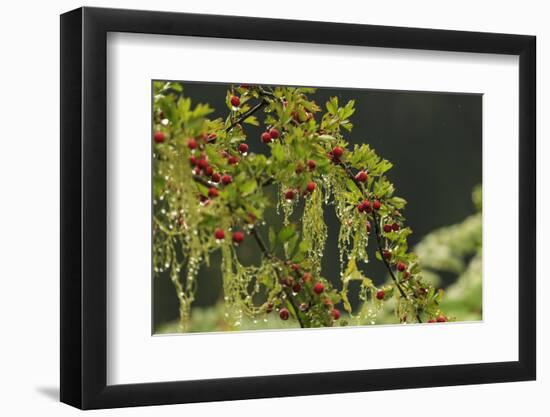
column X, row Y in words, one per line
column 297, row 285
column 236, row 236
column 291, row 194
column 391, row 227
column 269, row 135
column 366, row 206
column 439, row 319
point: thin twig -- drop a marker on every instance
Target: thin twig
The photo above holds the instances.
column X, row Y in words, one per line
column 246, row 115
column 203, row 181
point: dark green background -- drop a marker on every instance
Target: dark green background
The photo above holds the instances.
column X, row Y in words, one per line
column 434, row 141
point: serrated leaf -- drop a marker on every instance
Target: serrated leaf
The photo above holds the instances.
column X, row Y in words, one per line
column 252, row 120
column 332, row 105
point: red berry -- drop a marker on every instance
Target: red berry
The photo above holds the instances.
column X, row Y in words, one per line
column 227, row 179
column 235, row 101
column 364, row 206
column 219, row 234
column 335, row 313
column 310, row 187
column 296, row 288
column 192, row 143
column 197, row 171
column 431, row 321
column 232, row 160
column 273, row 133
column 311, row 164
column 368, row 226
column 209, row 171
column 159, row 137
column 306, row 277
column 216, row 177
column 202, row 164
column 386, row 253
column 361, row 176
column 318, row 288
column 193, row 160
column 238, row 237
column 213, row 192
column 284, row 314
column 367, row 205
column 376, row 205
column 289, row 195
column 395, row 227
column 387, row 228
column 295, row 267
column 401, row 266
column 212, row 137
column 380, row 294
column 266, row 137
column 441, row 318
column 269, row 308
column 337, row 152
column 243, row 148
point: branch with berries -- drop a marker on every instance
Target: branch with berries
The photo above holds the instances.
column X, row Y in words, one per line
column 210, row 192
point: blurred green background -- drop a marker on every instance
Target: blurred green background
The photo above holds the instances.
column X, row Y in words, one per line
column 434, row 141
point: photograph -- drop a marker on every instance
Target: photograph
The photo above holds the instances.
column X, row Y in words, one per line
column 287, row 207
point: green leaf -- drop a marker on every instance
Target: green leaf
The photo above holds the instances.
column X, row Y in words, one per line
column 252, row 120
column 332, row 105
column 352, row 187
column 278, row 152
column 286, row 233
column 291, row 246
column 248, row 187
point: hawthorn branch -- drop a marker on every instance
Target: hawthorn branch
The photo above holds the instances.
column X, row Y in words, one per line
column 247, row 114
column 270, row 255
column 267, row 253
column 388, row 266
column 349, row 173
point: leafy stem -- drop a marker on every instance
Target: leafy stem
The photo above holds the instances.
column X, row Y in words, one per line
column 270, row 255
column 380, row 248
column 247, row 114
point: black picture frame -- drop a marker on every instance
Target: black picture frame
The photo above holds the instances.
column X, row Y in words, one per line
column 84, row 207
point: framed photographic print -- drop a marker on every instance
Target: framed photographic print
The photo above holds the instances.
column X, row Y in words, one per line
column 256, row 208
